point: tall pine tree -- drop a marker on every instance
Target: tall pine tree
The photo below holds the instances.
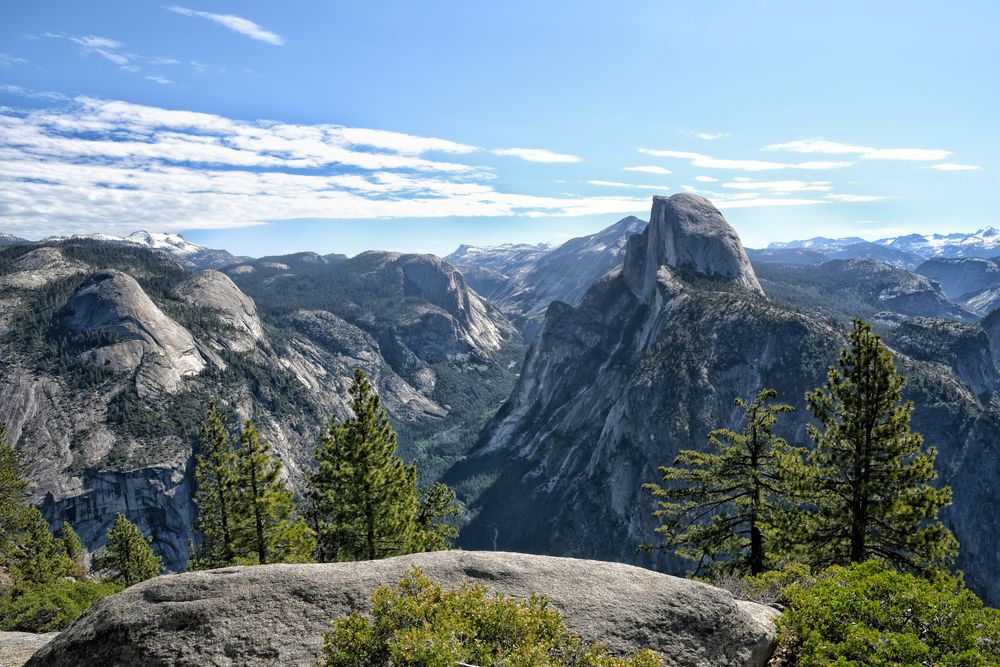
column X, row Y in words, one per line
column 267, row 529
column 363, row 498
column 870, row 476
column 73, row 548
column 717, row 507
column 13, row 498
column 215, row 471
column 128, row 558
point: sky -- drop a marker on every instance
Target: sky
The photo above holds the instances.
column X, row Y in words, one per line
column 267, row 127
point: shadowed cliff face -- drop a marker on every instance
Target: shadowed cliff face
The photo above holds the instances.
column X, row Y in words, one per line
column 652, row 360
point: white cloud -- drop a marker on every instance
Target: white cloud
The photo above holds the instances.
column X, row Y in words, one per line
column 711, row 136
column 864, row 152
column 159, row 79
column 235, row 23
column 537, row 155
column 100, row 165
column 649, row 169
column 854, row 199
column 616, row 184
column 765, row 201
column 780, row 186
column 707, row 162
column 706, row 179
column 7, row 60
column 951, row 166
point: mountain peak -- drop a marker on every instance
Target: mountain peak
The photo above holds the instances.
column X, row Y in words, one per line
column 686, row 232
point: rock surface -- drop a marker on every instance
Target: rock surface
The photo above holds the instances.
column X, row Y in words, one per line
column 164, row 351
column 237, row 312
column 276, row 614
column 686, row 233
column 17, row 647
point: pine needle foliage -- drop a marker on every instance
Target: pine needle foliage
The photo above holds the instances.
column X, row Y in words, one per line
column 718, row 507
column 869, row 477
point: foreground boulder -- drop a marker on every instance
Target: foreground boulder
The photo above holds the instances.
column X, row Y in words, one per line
column 276, row 614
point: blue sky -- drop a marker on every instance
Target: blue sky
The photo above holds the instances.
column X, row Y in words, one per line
column 269, row 127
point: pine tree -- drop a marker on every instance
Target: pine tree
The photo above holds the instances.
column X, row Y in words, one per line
column 128, row 557
column 870, row 474
column 718, row 506
column 13, row 494
column 364, row 498
column 73, row 548
column 38, row 556
column 13, row 497
column 267, row 529
column 215, row 471
column 434, row 530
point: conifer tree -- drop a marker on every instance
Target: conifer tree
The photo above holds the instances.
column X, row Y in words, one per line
column 215, row 499
column 435, row 531
column 870, row 490
column 128, row 558
column 73, row 548
column 717, row 507
column 364, row 498
column 267, row 529
column 13, row 498
column 38, row 556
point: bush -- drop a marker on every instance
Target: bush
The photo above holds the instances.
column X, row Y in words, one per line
column 867, row 614
column 51, row 607
column 418, row 623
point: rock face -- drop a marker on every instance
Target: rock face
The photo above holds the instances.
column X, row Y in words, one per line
column 653, row 359
column 242, row 329
column 162, row 350
column 689, row 235
column 17, row 647
column 38, row 268
column 276, row 614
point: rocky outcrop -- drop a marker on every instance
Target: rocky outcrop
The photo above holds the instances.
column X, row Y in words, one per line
column 163, row 351
column 38, row 268
column 277, row 614
column 688, row 234
column 963, row 348
column 241, row 327
column 17, row 647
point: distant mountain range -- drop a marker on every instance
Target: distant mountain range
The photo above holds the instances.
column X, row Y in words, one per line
column 187, row 254
column 904, row 251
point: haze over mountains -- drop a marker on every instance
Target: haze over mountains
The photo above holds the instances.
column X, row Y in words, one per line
column 641, row 336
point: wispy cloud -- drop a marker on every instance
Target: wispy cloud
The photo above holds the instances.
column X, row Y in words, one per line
column 825, row 147
column 708, row 162
column 616, row 184
column 235, row 23
column 115, row 52
column 159, row 79
column 706, row 179
column 7, row 60
column 649, row 169
column 780, row 186
column 704, row 136
column 951, row 166
column 104, row 165
column 538, row 155
column 854, row 199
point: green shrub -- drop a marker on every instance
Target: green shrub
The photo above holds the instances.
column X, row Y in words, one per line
column 868, row 614
column 51, row 607
column 418, row 623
